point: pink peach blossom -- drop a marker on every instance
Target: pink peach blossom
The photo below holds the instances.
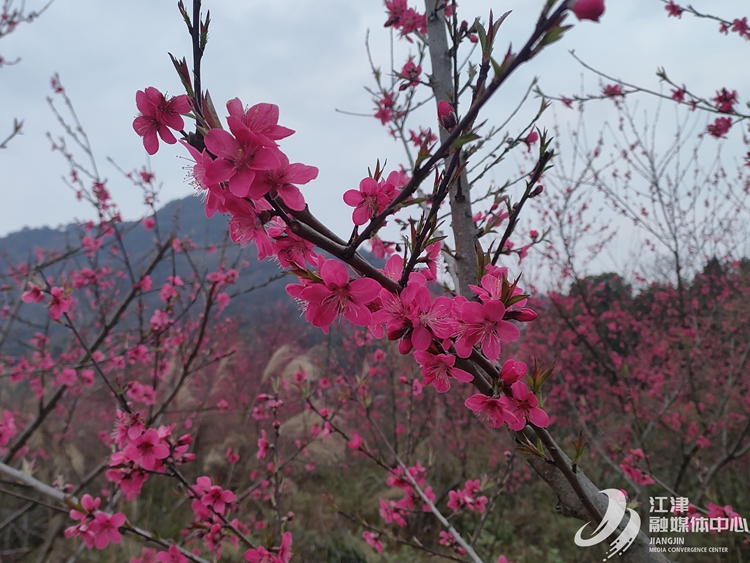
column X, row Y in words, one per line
column 494, row 410
column 438, row 369
column 337, row 295
column 158, row 116
column 526, row 406
column 370, row 200
column 59, row 304
column 484, row 324
column 105, row 528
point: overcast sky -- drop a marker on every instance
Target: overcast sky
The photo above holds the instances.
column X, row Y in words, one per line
column 309, row 58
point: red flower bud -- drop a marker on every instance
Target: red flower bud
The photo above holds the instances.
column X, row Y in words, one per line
column 588, row 9
column 446, row 116
column 525, row 315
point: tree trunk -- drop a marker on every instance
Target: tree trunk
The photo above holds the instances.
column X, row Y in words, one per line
column 464, row 232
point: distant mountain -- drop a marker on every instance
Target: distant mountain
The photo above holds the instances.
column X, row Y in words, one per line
column 186, row 217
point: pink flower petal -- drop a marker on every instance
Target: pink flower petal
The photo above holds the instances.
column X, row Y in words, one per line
column 364, row 290
column 292, row 197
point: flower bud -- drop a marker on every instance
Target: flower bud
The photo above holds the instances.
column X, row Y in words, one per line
column 588, row 9
column 446, row 116
column 538, row 190
column 525, row 315
column 184, row 440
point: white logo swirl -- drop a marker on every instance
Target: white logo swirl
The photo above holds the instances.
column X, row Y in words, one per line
column 612, row 518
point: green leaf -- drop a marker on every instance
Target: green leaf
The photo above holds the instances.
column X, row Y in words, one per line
column 463, row 139
column 204, row 32
column 531, row 449
column 184, row 73
column 554, row 35
column 209, row 112
column 481, row 260
column 544, row 377
column 185, row 16
column 482, row 33
column 496, row 25
column 501, row 68
column 410, row 202
column 515, row 299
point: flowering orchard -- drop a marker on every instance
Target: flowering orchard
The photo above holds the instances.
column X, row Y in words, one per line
column 650, row 365
column 432, row 375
